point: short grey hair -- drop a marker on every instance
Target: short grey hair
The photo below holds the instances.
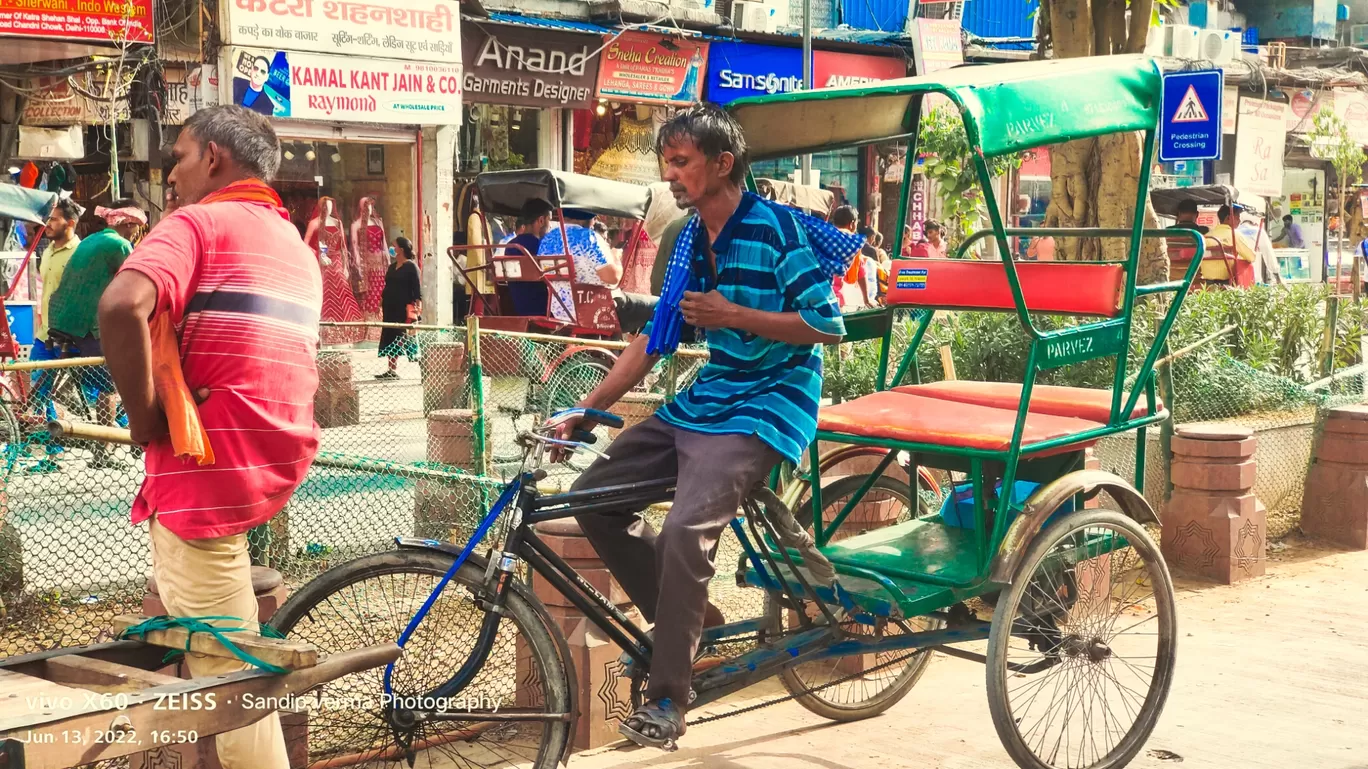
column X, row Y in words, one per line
column 246, row 135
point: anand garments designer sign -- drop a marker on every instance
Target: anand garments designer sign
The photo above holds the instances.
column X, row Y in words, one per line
column 421, row 30
column 529, row 68
column 309, row 86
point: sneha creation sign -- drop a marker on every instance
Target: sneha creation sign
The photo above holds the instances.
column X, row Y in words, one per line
column 644, row 68
column 420, row 30
column 528, row 68
column 309, row 86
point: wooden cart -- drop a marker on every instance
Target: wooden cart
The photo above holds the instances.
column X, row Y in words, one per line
column 72, row 706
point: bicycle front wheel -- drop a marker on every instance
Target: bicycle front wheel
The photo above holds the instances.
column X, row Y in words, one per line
column 369, row 601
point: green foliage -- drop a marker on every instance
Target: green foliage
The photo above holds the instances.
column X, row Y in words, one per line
column 1330, row 141
column 945, row 147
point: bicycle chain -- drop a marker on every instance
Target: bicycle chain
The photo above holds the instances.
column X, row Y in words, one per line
column 828, row 685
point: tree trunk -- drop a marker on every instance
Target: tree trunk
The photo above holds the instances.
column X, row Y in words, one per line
column 1094, row 181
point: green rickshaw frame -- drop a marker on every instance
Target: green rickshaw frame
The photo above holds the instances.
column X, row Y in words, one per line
column 1135, row 83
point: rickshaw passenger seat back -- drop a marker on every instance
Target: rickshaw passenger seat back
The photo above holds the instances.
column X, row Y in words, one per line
column 1068, row 288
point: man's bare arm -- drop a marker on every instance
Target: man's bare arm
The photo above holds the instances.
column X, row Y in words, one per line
column 124, row 310
column 631, row 367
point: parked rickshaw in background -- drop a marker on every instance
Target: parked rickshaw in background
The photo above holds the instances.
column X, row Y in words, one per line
column 533, row 293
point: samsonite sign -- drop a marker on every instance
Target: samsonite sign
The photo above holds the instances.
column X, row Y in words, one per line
column 739, row 70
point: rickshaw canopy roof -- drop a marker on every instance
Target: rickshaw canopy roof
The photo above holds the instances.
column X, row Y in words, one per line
column 1006, row 107
column 504, row 192
column 798, row 195
column 1166, row 200
column 25, row 204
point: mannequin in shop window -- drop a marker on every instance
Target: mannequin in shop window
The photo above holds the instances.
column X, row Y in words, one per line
column 324, row 236
column 368, row 245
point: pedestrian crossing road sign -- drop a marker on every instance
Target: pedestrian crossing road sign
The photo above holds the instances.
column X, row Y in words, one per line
column 1190, row 127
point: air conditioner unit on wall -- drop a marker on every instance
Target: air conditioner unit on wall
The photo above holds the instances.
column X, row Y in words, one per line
column 1358, row 35
column 1180, row 41
column 1218, row 46
column 753, row 16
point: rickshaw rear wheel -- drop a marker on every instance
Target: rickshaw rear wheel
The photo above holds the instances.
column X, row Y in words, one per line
column 869, row 683
column 1082, row 647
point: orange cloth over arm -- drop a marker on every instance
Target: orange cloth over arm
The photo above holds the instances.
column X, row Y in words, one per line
column 188, row 437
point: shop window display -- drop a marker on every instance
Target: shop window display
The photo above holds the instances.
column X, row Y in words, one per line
column 617, row 141
column 370, row 190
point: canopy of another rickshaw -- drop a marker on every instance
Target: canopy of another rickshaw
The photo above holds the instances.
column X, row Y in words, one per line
column 1166, row 200
column 33, row 206
column 504, row 193
column 1006, row 107
column 819, row 202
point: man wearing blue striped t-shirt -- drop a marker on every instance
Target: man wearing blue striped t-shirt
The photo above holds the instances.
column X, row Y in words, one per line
column 756, row 289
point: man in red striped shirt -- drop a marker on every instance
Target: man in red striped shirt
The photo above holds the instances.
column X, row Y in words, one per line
column 244, row 293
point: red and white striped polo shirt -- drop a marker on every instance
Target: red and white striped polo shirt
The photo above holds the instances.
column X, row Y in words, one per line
column 245, row 294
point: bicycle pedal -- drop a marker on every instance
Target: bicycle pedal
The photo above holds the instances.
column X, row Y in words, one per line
column 669, row 746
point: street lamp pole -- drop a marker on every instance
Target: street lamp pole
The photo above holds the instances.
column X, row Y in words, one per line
column 807, row 77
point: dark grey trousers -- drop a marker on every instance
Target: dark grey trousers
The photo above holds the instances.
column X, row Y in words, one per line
column 667, row 574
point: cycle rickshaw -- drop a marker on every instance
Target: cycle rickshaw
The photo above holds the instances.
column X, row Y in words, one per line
column 535, row 293
column 1080, row 647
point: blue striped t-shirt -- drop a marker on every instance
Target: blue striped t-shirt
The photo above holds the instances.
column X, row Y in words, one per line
column 752, row 385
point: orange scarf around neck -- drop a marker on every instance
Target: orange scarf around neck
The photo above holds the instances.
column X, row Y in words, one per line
column 244, row 191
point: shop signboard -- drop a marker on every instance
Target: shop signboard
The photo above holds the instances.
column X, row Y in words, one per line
column 1259, row 142
column 835, row 70
column 529, row 67
column 652, row 69
column 936, row 45
column 739, row 70
column 78, row 20
column 53, row 102
column 419, row 30
column 1230, row 110
column 311, row 86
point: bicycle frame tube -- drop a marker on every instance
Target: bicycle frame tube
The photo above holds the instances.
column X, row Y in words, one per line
column 509, row 492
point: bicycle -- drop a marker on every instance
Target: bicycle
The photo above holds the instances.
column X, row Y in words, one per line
column 540, row 682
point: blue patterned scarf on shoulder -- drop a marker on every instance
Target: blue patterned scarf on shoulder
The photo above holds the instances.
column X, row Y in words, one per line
column 834, row 249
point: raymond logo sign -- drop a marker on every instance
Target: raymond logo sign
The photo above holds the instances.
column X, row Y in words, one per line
column 72, row 20
column 528, row 68
column 421, row 30
column 310, row 86
column 652, row 69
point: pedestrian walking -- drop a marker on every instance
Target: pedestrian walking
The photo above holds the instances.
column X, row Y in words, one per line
column 400, row 302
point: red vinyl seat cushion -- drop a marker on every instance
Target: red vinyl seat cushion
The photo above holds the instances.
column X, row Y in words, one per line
column 1071, row 288
column 912, row 418
column 1078, row 402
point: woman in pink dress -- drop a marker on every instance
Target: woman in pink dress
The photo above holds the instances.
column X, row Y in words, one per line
column 369, row 244
column 324, row 236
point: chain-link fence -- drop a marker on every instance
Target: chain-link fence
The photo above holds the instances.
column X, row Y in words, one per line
column 422, row 450
column 400, row 456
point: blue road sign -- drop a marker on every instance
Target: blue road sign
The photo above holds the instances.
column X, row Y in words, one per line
column 1190, row 125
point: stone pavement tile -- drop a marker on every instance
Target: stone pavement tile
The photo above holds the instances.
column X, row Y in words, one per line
column 1272, row 674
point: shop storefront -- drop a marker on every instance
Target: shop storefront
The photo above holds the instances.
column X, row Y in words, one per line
column 348, row 91
column 737, row 70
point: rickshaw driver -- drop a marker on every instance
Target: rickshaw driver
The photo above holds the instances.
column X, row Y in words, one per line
column 758, row 290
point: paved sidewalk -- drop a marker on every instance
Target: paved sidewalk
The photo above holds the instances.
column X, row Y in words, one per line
column 1271, row 674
